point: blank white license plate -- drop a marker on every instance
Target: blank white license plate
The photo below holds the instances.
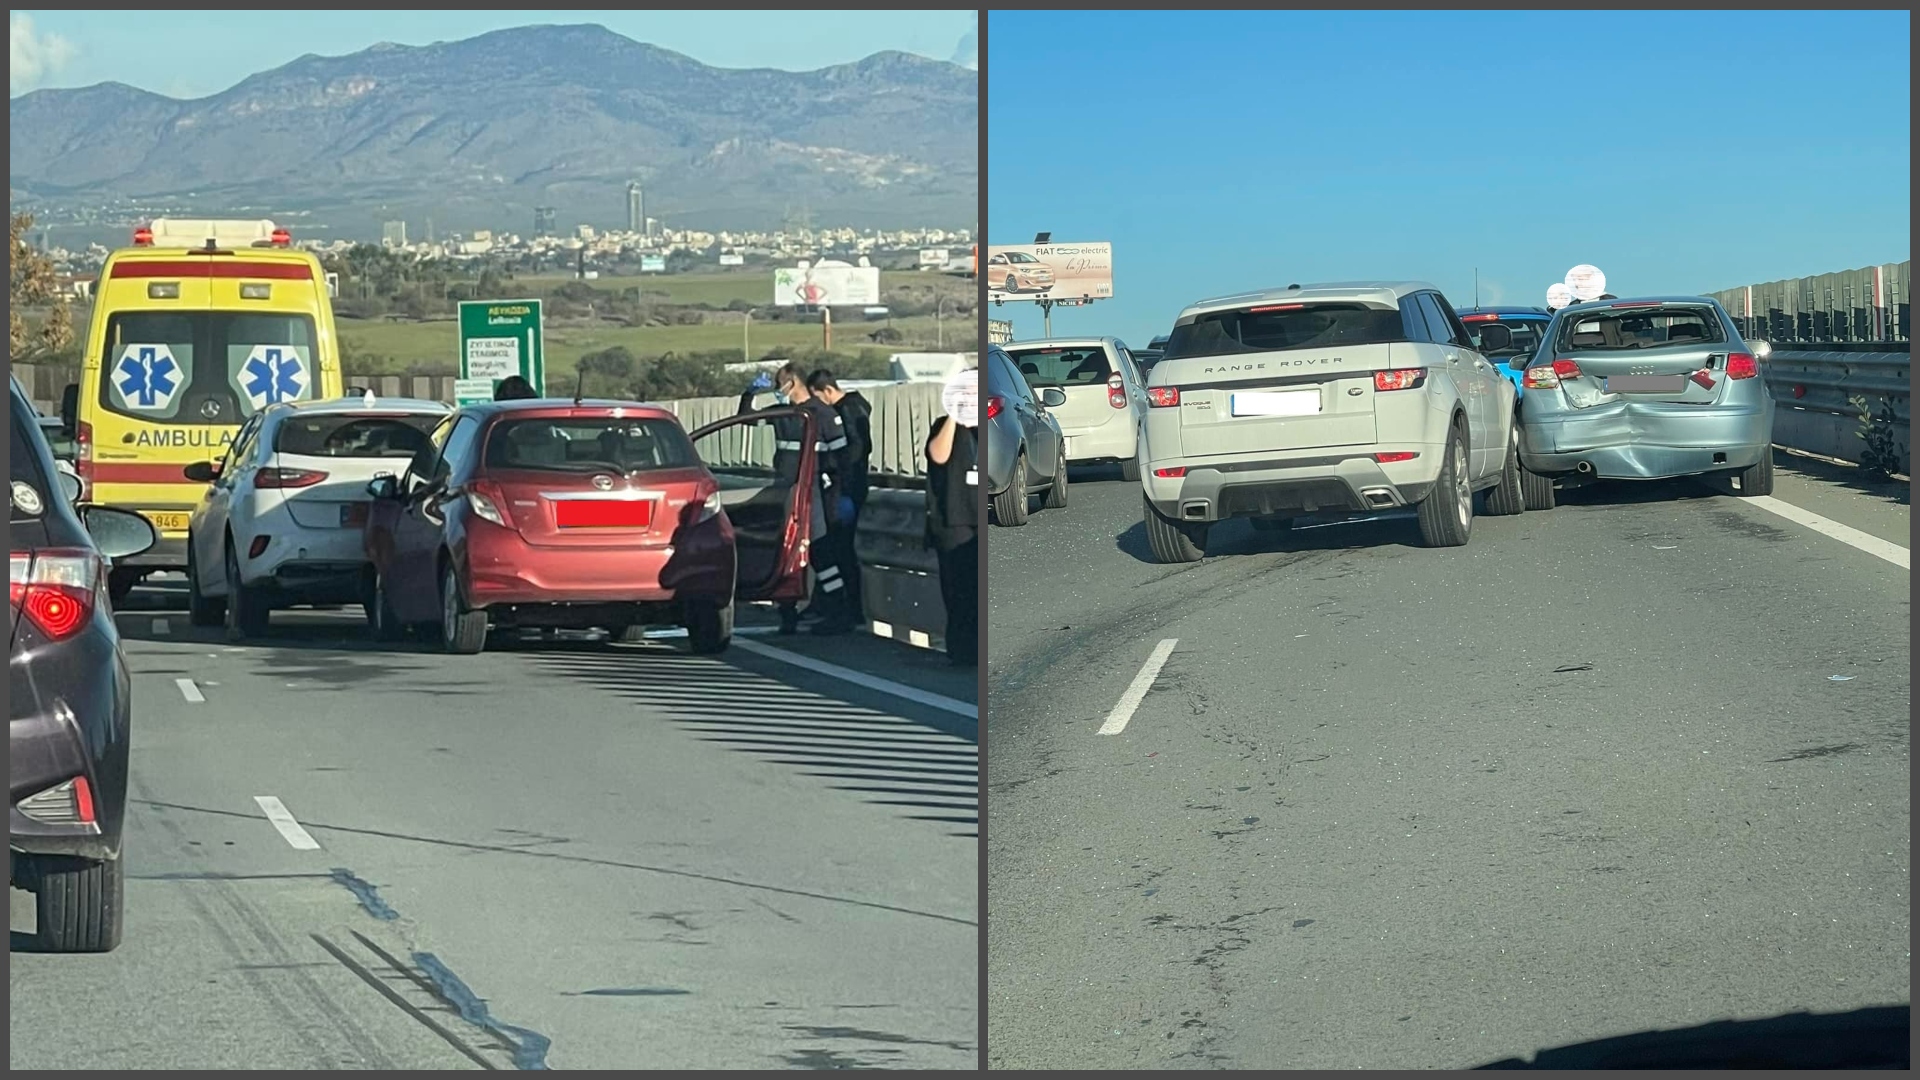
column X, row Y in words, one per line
column 1278, row 403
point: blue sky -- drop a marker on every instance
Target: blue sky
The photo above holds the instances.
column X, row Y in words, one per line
column 1226, row 151
column 169, row 53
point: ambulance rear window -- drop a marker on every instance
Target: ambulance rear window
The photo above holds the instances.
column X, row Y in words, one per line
column 205, row 367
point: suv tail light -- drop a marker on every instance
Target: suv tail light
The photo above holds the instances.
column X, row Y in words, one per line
column 1548, row 376
column 69, row 803
column 1171, row 472
column 1163, row 397
column 83, row 458
column 487, row 500
column 995, row 405
column 1742, row 366
column 1402, row 379
column 55, row 588
column 287, row 478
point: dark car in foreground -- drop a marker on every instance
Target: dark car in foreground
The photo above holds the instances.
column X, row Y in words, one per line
column 1645, row 389
column 68, row 705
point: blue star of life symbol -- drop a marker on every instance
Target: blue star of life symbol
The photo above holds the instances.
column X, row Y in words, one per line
column 274, row 375
column 148, row 376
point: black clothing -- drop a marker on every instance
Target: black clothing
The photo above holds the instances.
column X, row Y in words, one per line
column 856, row 417
column 953, row 492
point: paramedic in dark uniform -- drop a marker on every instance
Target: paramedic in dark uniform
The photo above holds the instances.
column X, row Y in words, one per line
column 953, row 521
column 856, row 417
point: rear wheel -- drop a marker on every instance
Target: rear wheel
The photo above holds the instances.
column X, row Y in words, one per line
column 1446, row 514
column 1174, row 541
column 462, row 632
column 1057, row 494
column 1537, row 490
column 1011, row 506
column 1508, row 498
column 79, row 904
column 1757, row 480
column 709, row 625
column 202, row 610
column 1130, row 471
column 247, row 608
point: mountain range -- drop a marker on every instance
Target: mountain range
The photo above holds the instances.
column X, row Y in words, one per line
column 477, row 133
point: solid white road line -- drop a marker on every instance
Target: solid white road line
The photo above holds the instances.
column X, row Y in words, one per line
column 859, row 678
column 1847, row 535
column 189, row 691
column 1137, row 692
column 282, row 820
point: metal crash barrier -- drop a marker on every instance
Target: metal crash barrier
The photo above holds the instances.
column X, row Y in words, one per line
column 1815, row 394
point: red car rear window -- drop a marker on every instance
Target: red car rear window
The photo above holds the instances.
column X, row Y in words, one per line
column 576, row 444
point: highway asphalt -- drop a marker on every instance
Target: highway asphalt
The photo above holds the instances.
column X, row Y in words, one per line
column 563, row 854
column 1637, row 762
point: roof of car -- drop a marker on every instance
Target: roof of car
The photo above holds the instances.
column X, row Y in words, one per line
column 1490, row 309
column 1627, row 301
column 358, row 403
column 1061, row 342
column 518, row 405
column 1387, row 292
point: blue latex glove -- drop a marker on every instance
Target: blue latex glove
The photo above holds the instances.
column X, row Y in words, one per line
column 844, row 508
column 761, row 384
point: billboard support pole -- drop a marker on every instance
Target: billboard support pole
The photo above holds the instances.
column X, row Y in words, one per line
column 1046, row 318
column 826, row 328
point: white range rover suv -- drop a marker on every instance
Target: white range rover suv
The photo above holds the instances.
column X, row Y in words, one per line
column 1337, row 398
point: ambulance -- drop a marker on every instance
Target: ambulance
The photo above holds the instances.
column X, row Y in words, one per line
column 196, row 327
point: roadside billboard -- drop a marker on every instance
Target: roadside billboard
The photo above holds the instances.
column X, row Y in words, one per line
column 733, row 259
column 933, row 258
column 831, row 285
column 653, row 264
column 1049, row 272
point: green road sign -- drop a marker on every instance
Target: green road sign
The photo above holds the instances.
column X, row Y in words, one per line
column 499, row 338
column 472, row 391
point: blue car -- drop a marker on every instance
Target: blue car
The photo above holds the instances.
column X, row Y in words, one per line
column 1527, row 327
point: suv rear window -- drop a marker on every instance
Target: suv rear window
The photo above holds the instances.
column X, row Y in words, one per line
column 1083, row 365
column 1278, row 327
column 206, row 367
column 1622, row 329
column 354, row 436
column 589, row 445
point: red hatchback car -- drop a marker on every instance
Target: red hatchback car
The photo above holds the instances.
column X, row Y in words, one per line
column 593, row 514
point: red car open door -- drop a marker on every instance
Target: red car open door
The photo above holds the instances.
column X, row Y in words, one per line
column 764, row 463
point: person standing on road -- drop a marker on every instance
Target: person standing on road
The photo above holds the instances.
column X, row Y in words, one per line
column 953, row 523
column 856, row 417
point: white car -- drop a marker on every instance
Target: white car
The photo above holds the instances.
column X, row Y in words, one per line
column 1106, row 396
column 282, row 521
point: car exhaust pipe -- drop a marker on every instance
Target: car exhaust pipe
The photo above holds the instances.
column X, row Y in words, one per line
column 1584, row 467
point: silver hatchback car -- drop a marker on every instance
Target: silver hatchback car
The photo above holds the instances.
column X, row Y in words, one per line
column 1645, row 389
column 1342, row 397
column 1106, row 396
column 1025, row 450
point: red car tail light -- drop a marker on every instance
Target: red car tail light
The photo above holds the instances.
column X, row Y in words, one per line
column 1403, row 379
column 1396, row 455
column 55, row 588
column 68, row 803
column 287, row 478
column 1163, row 397
column 1174, row 472
column 1116, row 391
column 995, row 405
column 487, row 500
column 1566, row 369
column 1742, row 366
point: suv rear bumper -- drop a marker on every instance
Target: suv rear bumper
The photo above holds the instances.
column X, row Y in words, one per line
column 1294, row 482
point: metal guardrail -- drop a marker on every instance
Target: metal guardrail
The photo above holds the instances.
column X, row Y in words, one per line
column 1812, row 392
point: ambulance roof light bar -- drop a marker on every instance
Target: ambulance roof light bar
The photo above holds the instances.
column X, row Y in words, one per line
column 211, row 233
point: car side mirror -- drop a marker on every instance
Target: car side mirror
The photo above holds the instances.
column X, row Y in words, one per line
column 70, row 409
column 70, row 485
column 1053, row 397
column 1760, row 349
column 118, row 533
column 383, row 486
column 202, row 472
column 1494, row 338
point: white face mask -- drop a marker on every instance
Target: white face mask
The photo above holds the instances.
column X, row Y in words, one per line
column 781, row 397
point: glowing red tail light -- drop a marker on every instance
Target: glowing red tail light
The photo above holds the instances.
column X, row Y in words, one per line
column 282, row 238
column 1404, row 379
column 1566, row 369
column 1396, row 455
column 1172, row 472
column 1163, row 397
column 287, row 478
column 55, row 588
column 995, row 405
column 1548, row 376
column 1742, row 366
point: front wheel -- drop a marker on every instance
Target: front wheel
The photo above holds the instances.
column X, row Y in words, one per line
column 79, row 904
column 1174, row 541
column 1011, row 506
column 1446, row 514
column 1507, row 498
column 709, row 625
column 462, row 632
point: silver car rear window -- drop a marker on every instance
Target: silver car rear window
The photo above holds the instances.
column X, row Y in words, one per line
column 1641, row 327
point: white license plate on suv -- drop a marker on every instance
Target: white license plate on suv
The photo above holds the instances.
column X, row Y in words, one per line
column 1276, row 403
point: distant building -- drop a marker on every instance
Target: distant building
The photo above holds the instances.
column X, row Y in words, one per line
column 583, row 232
column 543, row 221
column 394, row 234
column 636, row 209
